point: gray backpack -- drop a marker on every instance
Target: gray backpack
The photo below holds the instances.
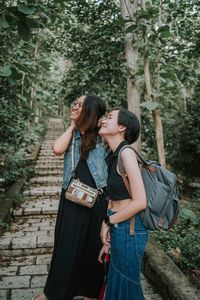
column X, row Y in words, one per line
column 162, row 192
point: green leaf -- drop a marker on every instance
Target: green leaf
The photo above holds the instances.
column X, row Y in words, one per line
column 27, row 10
column 119, row 21
column 15, row 74
column 5, row 71
column 131, row 28
column 33, row 45
column 165, row 34
column 163, row 28
column 22, row 97
column 32, row 23
column 167, row 75
column 150, row 105
column 153, row 37
column 3, row 22
column 189, row 215
column 139, row 44
column 158, row 94
column 24, row 31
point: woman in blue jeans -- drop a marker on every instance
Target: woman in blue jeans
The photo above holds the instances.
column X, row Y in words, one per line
column 122, row 232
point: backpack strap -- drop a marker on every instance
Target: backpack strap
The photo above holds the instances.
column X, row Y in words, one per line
column 121, row 170
column 142, row 161
column 120, row 167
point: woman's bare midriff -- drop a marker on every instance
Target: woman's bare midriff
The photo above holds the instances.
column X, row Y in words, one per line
column 118, row 205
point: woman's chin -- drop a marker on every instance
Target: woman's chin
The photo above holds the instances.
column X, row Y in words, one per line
column 101, row 132
column 74, row 118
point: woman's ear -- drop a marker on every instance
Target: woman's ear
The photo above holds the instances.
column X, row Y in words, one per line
column 122, row 129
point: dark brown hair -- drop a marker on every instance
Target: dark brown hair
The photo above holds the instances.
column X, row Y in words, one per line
column 132, row 124
column 93, row 108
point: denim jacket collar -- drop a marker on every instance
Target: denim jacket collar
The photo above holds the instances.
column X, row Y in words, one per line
column 77, row 134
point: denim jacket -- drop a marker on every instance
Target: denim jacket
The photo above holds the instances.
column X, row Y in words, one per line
column 95, row 161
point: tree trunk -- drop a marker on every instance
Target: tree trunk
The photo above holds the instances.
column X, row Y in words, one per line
column 159, row 136
column 128, row 9
column 156, row 112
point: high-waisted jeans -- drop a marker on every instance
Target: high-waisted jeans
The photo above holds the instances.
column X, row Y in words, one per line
column 123, row 280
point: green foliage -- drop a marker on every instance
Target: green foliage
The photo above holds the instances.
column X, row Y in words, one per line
column 181, row 243
column 150, row 105
column 25, row 77
column 183, row 135
column 4, row 225
column 5, row 71
column 95, row 49
column 15, row 168
column 27, row 10
column 16, row 161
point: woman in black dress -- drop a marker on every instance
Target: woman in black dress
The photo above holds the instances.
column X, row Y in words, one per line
column 74, row 269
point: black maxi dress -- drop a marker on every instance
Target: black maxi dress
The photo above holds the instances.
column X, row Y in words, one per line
column 74, row 269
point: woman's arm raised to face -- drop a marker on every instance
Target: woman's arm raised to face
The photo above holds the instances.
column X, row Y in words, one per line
column 138, row 194
column 61, row 144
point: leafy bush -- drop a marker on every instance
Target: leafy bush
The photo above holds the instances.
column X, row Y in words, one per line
column 181, row 243
column 15, row 161
column 184, row 135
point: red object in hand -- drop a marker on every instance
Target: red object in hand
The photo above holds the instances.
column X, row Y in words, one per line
column 106, row 261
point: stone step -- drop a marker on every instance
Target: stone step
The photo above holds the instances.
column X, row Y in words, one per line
column 50, row 160
column 48, row 143
column 53, row 172
column 48, row 167
column 52, row 136
column 28, row 237
column 46, row 180
column 43, row 191
column 52, row 164
column 47, row 146
column 49, row 149
column 41, row 206
column 26, row 277
column 41, row 158
column 48, row 154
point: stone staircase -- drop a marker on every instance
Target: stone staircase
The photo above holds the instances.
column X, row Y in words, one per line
column 27, row 247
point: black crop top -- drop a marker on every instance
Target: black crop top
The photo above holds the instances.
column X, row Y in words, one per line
column 116, row 188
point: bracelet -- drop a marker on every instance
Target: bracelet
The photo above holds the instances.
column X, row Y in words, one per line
column 107, row 221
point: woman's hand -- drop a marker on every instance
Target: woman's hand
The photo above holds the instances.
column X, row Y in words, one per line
column 105, row 234
column 61, row 144
column 104, row 249
column 72, row 125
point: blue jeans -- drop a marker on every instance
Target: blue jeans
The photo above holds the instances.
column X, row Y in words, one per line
column 123, row 280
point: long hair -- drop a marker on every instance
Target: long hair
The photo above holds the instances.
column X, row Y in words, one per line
column 93, row 108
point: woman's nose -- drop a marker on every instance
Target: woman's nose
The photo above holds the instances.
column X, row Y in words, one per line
column 103, row 120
